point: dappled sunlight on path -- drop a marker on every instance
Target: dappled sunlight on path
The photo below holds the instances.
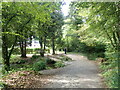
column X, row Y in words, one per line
column 81, row 73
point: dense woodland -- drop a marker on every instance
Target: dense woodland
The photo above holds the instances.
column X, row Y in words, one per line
column 97, row 24
column 91, row 29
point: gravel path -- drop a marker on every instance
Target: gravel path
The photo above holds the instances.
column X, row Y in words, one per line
column 81, row 73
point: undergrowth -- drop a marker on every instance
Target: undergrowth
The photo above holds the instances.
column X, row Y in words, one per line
column 110, row 71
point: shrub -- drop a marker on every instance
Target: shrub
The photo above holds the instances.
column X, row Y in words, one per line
column 14, row 59
column 110, row 71
column 49, row 61
column 21, row 61
column 40, row 65
column 2, row 85
column 35, row 56
column 59, row 64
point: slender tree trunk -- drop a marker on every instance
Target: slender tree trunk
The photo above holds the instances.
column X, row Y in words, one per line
column 30, row 40
column 41, row 45
column 23, row 45
column 12, row 47
column 23, row 42
column 44, row 43
column 23, row 48
column 53, row 45
column 41, row 42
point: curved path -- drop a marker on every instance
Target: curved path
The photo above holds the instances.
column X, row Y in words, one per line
column 81, row 73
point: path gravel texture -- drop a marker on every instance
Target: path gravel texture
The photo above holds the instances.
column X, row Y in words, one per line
column 81, row 73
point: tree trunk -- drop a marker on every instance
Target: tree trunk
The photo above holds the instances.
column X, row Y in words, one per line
column 5, row 52
column 24, row 53
column 6, row 59
column 53, row 45
column 30, row 40
column 9, row 55
column 23, row 48
column 41, row 43
column 44, row 43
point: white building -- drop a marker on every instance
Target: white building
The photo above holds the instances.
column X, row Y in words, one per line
column 34, row 44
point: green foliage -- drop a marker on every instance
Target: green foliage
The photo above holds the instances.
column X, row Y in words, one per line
column 111, row 77
column 3, row 71
column 19, row 24
column 2, row 85
column 35, row 50
column 28, row 51
column 59, row 64
column 14, row 58
column 49, row 61
column 21, row 61
column 92, row 52
column 94, row 30
column 110, row 71
column 35, row 57
column 40, row 65
column 99, row 34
